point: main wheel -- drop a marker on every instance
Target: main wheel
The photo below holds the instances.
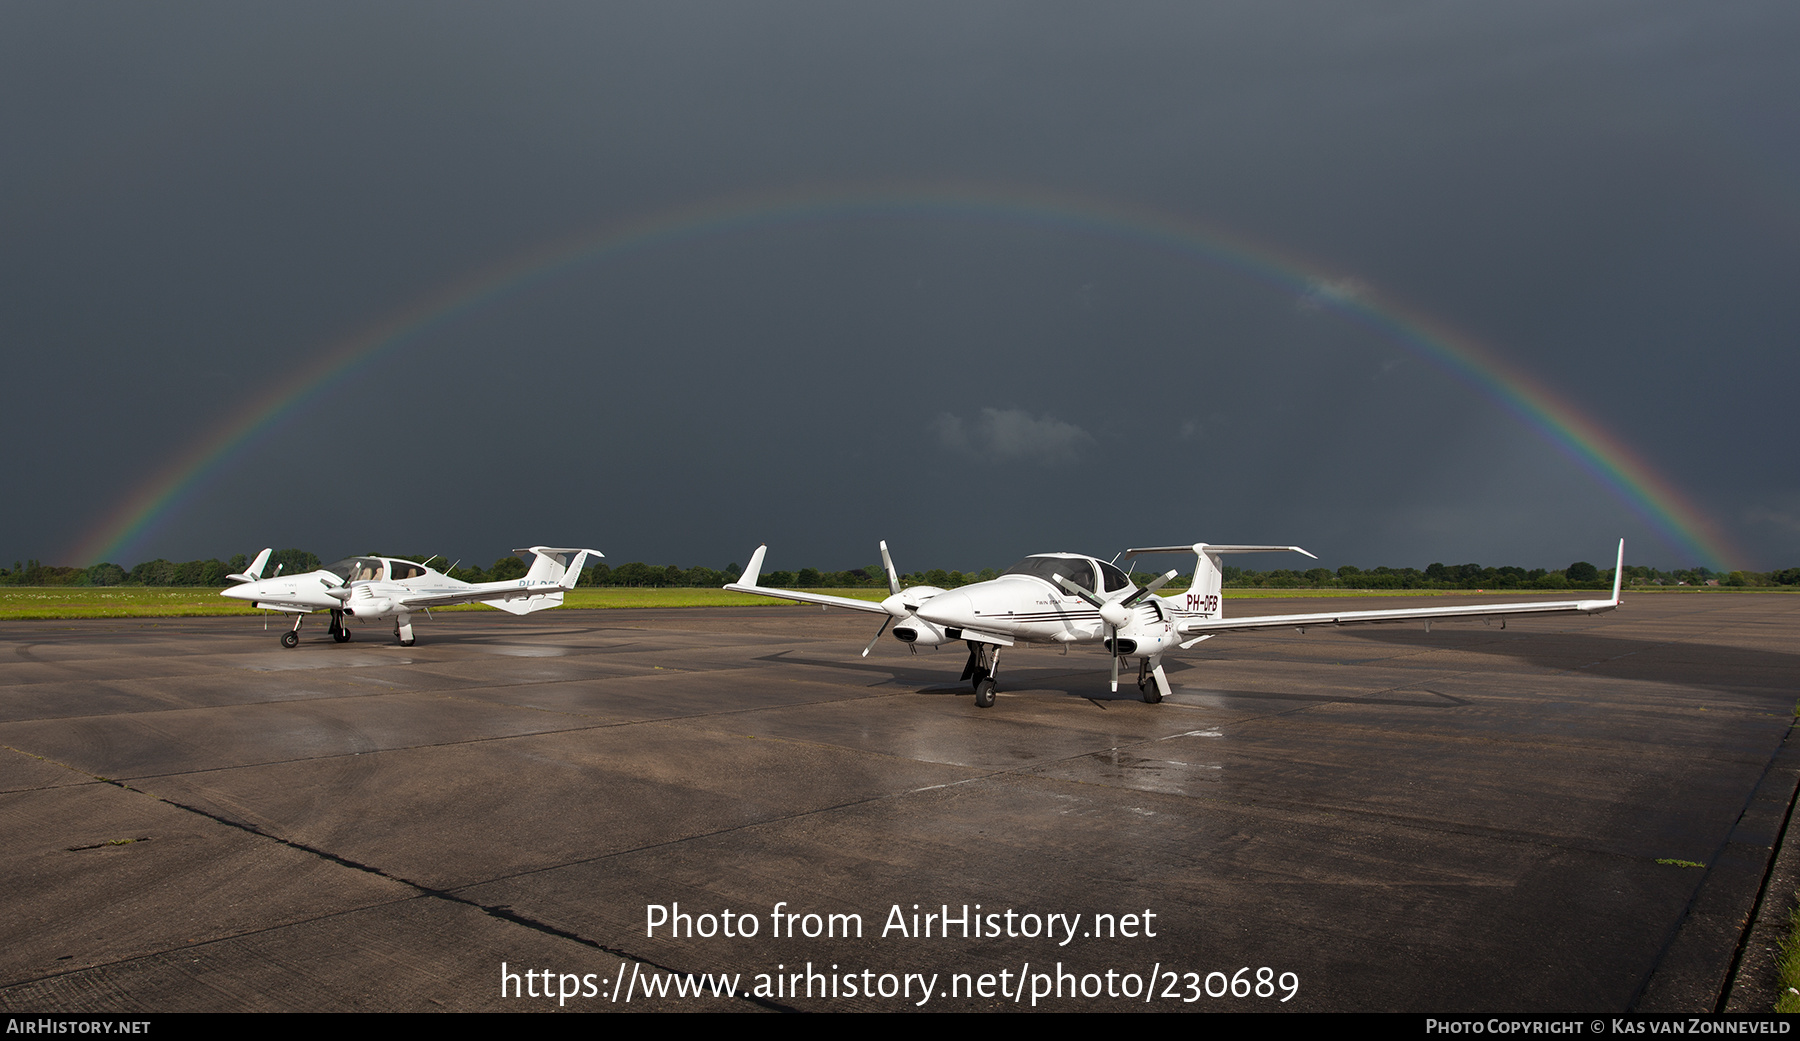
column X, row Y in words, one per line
column 290, row 639
column 407, row 643
column 984, row 693
column 341, row 636
column 1152, row 694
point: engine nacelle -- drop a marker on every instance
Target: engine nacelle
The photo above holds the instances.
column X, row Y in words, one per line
column 1149, row 633
column 920, row 633
column 370, row 607
column 913, row 629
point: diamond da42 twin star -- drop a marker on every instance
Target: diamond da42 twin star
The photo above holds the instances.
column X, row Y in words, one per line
column 1068, row 598
column 373, row 589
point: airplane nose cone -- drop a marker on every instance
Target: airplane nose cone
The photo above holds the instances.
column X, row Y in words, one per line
column 953, row 608
column 243, row 592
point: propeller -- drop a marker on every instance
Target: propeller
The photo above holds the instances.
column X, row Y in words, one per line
column 1115, row 612
column 895, row 605
column 340, row 591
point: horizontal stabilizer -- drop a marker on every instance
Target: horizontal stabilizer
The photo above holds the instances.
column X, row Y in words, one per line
column 1202, row 547
column 527, row 604
column 554, row 563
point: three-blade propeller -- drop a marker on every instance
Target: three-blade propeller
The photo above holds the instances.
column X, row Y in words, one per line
column 1115, row 612
column 895, row 605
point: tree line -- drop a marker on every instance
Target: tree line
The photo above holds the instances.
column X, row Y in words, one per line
column 1579, row 575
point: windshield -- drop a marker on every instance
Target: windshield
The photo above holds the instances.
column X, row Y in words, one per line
column 1076, row 569
column 356, row 569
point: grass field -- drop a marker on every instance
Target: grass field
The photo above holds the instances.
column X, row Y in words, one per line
column 141, row 602
column 24, row 602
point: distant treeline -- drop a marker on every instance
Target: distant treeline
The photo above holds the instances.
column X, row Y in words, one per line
column 1579, row 575
column 151, row 572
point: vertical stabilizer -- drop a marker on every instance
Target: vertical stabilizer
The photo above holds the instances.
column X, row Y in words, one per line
column 1205, row 596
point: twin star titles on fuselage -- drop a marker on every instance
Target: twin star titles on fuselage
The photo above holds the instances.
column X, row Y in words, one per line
column 1069, row 598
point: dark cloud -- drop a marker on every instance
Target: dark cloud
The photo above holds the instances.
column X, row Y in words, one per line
column 1012, row 435
column 201, row 200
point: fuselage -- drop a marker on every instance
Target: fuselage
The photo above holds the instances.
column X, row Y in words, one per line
column 361, row 587
column 1027, row 605
column 367, row 588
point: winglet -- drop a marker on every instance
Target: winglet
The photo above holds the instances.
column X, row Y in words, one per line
column 255, row 571
column 752, row 569
column 1599, row 606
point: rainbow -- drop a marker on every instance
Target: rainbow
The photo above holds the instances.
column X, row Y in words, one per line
column 158, row 499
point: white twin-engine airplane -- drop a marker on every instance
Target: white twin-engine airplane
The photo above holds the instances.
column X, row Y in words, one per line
column 368, row 589
column 1069, row 598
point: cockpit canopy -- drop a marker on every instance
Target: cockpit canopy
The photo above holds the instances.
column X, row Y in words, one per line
column 374, row 569
column 359, row 569
column 1079, row 570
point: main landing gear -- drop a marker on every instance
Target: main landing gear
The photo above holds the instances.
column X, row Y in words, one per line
column 403, row 630
column 984, row 661
column 339, row 631
column 1151, row 679
column 1152, row 690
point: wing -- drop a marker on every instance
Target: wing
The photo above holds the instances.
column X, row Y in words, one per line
column 486, row 591
column 754, row 570
column 534, row 589
column 1302, row 621
column 1209, row 626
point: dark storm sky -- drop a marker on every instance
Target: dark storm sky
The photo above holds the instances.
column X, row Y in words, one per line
column 201, row 201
